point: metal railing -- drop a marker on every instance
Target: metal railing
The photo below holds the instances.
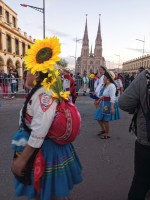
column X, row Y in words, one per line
column 82, row 87
column 10, row 86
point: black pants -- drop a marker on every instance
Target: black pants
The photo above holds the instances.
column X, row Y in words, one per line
column 141, row 179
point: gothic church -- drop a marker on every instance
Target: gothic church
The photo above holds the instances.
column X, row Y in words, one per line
column 89, row 61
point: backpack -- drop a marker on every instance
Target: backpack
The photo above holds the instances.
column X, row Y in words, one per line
column 133, row 125
column 66, row 124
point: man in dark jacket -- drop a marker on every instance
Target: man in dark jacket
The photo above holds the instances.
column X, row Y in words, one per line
column 134, row 98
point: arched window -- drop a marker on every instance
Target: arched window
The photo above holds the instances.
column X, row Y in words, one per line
column 17, row 64
column 9, row 64
column 1, row 62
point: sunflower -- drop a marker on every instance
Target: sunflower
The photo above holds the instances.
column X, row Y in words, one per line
column 43, row 55
column 65, row 95
column 105, row 107
column 55, row 95
column 92, row 75
column 47, row 83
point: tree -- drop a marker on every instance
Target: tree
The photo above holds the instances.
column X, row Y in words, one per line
column 62, row 63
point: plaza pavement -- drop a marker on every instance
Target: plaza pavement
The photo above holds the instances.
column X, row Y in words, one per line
column 107, row 164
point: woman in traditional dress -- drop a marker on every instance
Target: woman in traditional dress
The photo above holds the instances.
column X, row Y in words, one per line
column 54, row 168
column 108, row 107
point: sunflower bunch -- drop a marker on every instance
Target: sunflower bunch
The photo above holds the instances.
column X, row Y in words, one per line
column 42, row 57
column 92, row 75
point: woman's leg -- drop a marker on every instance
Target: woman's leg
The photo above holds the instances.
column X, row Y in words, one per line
column 37, row 198
column 107, row 129
column 64, row 198
column 101, row 125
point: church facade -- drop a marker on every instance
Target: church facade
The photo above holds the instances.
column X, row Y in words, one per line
column 90, row 61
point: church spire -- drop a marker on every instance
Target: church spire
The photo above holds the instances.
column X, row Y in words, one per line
column 85, row 37
column 99, row 38
column 91, row 54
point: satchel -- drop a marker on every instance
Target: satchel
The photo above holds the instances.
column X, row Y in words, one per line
column 26, row 177
column 19, row 141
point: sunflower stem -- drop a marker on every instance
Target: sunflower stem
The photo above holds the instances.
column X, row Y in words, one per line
column 57, row 85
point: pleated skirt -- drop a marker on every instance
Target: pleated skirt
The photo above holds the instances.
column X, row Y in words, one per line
column 62, row 172
column 103, row 112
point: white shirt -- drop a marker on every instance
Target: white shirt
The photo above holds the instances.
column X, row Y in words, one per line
column 66, row 84
column 118, row 83
column 13, row 79
column 99, row 86
column 110, row 91
column 41, row 112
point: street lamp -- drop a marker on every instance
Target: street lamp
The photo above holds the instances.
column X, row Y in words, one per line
column 118, row 62
column 42, row 10
column 77, row 40
column 143, row 48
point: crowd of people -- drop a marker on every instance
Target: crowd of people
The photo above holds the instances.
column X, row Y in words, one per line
column 11, row 79
column 44, row 167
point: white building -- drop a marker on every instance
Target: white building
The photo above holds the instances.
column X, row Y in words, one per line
column 13, row 42
column 132, row 66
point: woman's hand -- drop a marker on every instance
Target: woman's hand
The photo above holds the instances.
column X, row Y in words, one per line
column 96, row 102
column 112, row 110
column 18, row 165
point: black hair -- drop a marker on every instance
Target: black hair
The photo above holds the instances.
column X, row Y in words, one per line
column 34, row 89
column 104, row 68
column 107, row 74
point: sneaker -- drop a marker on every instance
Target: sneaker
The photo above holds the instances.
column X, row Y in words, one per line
column 13, row 97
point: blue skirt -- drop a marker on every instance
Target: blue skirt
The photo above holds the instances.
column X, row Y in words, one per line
column 63, row 170
column 103, row 112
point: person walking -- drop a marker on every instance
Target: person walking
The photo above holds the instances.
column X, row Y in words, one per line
column 99, row 84
column 108, row 106
column 54, row 168
column 4, row 78
column 69, row 85
column 85, row 83
column 13, row 81
column 136, row 100
column 78, row 81
column 119, row 84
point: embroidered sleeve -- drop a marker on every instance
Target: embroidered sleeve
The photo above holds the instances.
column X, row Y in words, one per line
column 43, row 114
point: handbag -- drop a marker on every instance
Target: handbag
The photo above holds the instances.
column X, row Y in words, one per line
column 26, row 177
column 19, row 140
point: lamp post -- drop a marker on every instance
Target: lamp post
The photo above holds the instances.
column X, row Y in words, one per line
column 118, row 62
column 143, row 48
column 77, row 40
column 42, row 10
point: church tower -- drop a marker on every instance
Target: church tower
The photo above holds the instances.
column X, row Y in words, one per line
column 89, row 61
column 85, row 48
column 98, row 47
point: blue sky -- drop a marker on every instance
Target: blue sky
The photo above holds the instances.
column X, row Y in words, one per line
column 122, row 22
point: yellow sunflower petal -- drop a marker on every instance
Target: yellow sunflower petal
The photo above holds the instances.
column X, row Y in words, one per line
column 31, row 58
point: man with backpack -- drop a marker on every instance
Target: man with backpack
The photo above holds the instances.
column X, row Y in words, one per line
column 136, row 99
